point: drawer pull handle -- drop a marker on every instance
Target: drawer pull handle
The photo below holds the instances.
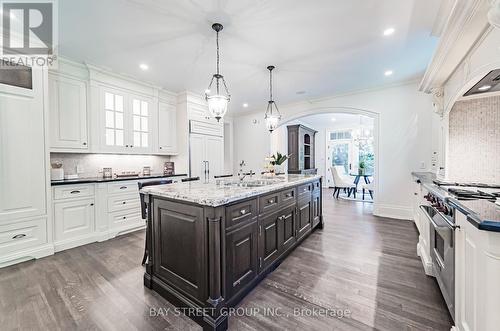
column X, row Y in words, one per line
column 19, row 236
column 123, row 187
column 243, row 211
column 75, row 192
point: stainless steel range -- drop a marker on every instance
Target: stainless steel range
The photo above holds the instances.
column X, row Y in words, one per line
column 441, row 217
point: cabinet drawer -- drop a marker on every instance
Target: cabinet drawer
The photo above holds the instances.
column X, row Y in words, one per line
column 73, row 191
column 304, row 190
column 124, row 202
column 123, row 187
column 287, row 196
column 268, row 203
column 22, row 235
column 240, row 212
column 125, row 218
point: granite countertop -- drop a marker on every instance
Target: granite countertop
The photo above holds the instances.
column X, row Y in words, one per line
column 214, row 195
column 89, row 180
column 483, row 214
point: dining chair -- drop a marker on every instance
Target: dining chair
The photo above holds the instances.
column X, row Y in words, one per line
column 144, row 210
column 339, row 183
column 368, row 187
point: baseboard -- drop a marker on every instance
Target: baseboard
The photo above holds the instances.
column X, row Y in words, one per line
column 62, row 245
column 393, row 211
column 27, row 254
column 426, row 260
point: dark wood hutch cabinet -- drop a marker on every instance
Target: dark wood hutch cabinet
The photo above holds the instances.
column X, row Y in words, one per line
column 301, row 146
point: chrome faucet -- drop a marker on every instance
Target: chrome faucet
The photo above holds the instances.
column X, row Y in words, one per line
column 241, row 173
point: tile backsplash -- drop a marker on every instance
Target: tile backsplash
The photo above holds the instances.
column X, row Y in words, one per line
column 90, row 165
column 474, row 141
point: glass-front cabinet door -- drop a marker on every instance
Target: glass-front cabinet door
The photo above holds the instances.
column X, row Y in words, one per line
column 126, row 122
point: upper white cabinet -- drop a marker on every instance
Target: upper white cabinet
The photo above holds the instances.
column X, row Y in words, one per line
column 125, row 122
column 23, row 163
column 68, row 113
column 167, row 128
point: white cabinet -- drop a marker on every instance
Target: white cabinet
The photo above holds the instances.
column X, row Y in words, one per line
column 73, row 220
column 206, row 156
column 23, row 163
column 68, row 113
column 126, row 122
column 167, row 129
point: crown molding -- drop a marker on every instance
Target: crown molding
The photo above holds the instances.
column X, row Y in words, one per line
column 465, row 25
column 494, row 14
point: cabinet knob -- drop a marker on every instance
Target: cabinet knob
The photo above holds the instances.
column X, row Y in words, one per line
column 161, row 147
column 126, row 145
column 84, row 144
column 91, row 204
column 131, row 145
column 270, row 201
column 124, row 217
column 124, row 202
column 243, row 211
column 19, row 236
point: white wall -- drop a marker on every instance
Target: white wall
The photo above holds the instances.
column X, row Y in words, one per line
column 405, row 137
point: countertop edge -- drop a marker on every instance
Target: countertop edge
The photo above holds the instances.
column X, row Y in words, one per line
column 107, row 180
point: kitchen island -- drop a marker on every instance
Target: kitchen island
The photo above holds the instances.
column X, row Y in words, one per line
column 209, row 244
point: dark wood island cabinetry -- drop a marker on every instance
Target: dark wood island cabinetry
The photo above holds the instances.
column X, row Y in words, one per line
column 206, row 257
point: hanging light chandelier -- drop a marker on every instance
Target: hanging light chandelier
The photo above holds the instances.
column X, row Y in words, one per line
column 217, row 103
column 272, row 117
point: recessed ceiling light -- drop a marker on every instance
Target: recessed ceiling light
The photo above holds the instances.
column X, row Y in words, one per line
column 245, row 105
column 388, row 73
column 389, row 31
column 143, row 66
column 484, row 88
column 300, row 92
column 333, row 119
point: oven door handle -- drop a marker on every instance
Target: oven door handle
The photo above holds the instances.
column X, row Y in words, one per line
column 448, row 223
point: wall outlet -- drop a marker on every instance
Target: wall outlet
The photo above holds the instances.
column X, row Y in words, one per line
column 422, row 165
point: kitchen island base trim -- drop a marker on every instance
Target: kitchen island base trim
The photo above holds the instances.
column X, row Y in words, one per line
column 205, row 259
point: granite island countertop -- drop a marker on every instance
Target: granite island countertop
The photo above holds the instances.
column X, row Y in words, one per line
column 215, row 193
column 483, row 214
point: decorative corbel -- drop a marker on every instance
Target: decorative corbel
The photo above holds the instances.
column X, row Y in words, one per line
column 494, row 14
column 438, row 100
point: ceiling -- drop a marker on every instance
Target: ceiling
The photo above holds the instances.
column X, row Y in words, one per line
column 337, row 121
column 320, row 48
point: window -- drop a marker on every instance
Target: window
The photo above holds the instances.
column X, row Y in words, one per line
column 140, row 116
column 113, row 106
column 340, row 135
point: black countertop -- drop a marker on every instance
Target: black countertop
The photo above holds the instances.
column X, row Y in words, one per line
column 105, row 180
column 483, row 214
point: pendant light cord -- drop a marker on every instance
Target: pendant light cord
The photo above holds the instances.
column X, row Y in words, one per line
column 270, row 85
column 217, row 79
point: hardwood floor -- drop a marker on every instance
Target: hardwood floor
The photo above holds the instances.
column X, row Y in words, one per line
column 363, row 266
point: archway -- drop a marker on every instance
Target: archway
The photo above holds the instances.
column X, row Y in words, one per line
column 354, row 111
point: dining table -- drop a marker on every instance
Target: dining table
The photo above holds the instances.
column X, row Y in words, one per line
column 357, row 178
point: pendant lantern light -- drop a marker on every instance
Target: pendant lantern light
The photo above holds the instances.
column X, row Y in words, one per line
column 217, row 102
column 272, row 117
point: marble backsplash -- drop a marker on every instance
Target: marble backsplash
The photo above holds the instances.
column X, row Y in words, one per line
column 90, row 165
column 474, row 141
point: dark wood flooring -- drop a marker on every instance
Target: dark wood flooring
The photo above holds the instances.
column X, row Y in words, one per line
column 360, row 265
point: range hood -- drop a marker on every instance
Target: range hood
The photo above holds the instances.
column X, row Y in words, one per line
column 490, row 83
